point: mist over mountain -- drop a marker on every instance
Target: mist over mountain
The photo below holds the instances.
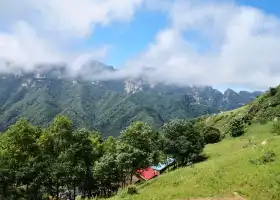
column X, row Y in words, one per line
column 105, row 105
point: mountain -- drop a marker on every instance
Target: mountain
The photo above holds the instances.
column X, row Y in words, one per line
column 264, row 109
column 108, row 106
column 251, row 159
column 230, row 165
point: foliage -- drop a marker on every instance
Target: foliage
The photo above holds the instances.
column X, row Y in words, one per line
column 107, row 172
column 236, row 128
column 272, row 91
column 276, row 127
column 137, row 147
column 212, row 135
column 131, row 190
column 60, row 162
column 103, row 105
column 267, row 157
column 226, row 171
column 19, row 161
column 264, row 158
column 182, row 141
column 36, row 164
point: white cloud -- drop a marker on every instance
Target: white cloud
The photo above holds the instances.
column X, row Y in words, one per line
column 75, row 18
column 23, row 46
column 35, row 31
column 244, row 46
column 78, row 18
column 233, row 44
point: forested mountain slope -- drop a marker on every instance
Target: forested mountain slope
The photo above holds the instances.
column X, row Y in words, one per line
column 107, row 106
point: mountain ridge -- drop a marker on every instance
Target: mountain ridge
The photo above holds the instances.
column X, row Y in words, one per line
column 106, row 105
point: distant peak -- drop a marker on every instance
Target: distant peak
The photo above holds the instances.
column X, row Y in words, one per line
column 228, row 91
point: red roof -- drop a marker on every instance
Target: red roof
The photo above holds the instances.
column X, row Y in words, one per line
column 146, row 173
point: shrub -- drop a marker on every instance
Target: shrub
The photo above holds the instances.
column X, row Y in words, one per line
column 267, row 157
column 276, row 127
column 211, row 135
column 131, row 190
column 272, row 91
column 236, row 128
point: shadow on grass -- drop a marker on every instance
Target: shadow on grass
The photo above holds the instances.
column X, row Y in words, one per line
column 201, row 158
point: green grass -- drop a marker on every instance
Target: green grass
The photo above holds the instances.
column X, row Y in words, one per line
column 221, row 120
column 227, row 170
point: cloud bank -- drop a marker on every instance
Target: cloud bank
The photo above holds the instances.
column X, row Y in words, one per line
column 206, row 42
column 237, row 45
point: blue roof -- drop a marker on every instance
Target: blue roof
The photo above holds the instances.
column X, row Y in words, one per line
column 164, row 164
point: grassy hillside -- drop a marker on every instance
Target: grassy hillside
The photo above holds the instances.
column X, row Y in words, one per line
column 247, row 165
column 232, row 166
column 262, row 110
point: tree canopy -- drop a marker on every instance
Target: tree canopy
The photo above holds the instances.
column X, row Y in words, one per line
column 62, row 162
column 182, row 141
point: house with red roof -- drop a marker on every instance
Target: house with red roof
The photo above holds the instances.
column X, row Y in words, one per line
column 146, row 174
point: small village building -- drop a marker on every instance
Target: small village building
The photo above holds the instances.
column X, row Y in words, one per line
column 161, row 167
column 146, row 174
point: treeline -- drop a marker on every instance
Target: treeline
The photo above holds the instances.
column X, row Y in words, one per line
column 37, row 163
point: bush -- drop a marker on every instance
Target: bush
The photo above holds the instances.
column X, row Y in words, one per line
column 272, row 91
column 131, row 190
column 236, row 128
column 276, row 127
column 211, row 135
column 267, row 157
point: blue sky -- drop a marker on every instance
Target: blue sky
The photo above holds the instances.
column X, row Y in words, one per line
column 224, row 43
column 128, row 39
column 270, row 6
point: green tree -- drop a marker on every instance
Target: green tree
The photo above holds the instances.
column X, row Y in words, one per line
column 236, row 128
column 19, row 163
column 107, row 174
column 137, row 147
column 110, row 145
column 182, row 141
column 69, row 158
column 211, row 135
column 272, row 91
column 55, row 143
column 81, row 156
